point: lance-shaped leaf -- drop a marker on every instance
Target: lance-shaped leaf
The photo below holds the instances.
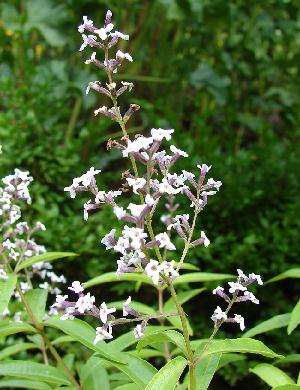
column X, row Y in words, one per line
column 49, row 256
column 138, row 306
column 287, row 387
column 206, row 369
column 241, row 345
column 93, row 375
column 169, row 336
column 295, row 318
column 275, row 322
column 23, row 384
column 16, row 348
column 168, row 376
column 8, row 328
column 7, row 287
column 273, row 376
column 84, row 334
column 37, row 299
column 128, row 386
column 201, row 277
column 110, row 277
column 33, row 371
column 293, row 273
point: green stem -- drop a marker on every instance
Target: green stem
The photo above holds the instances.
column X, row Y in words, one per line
column 186, row 336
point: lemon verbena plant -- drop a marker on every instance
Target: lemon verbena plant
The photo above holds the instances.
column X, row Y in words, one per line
column 145, row 252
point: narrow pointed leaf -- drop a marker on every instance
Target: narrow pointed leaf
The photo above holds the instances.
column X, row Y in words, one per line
column 93, row 375
column 129, row 386
column 287, row 387
column 110, row 277
column 7, row 328
column 275, row 322
column 241, row 345
column 295, row 318
column 206, row 369
column 16, row 348
column 168, row 376
column 138, row 306
column 293, row 273
column 49, row 256
column 273, row 376
column 7, row 287
column 37, row 299
column 33, row 371
column 201, row 277
column 23, row 384
column 171, row 336
column 84, row 334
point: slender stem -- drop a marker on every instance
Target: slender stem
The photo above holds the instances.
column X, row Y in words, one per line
column 162, row 321
column 186, row 336
column 142, row 318
column 215, row 331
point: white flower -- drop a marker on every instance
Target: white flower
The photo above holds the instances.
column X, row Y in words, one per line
column 149, row 200
column 86, row 210
column 68, row 314
column 86, row 41
column 136, row 209
column 179, row 151
column 251, row 297
column 86, row 23
column 168, row 269
column 102, row 334
column 119, row 212
column 85, row 303
column 24, row 287
column 242, row 275
column 120, row 35
column 152, row 270
column 218, row 315
column 122, row 245
column 217, row 184
column 105, row 312
column 76, row 287
column 164, row 241
column 206, row 241
column 138, row 331
column 60, row 299
column 7, row 244
column 103, row 32
column 240, row 320
column 204, row 167
column 91, row 84
column 257, row 278
column 236, row 287
column 165, row 188
column 87, row 177
column 136, row 184
column 136, row 145
column 109, row 239
column 101, row 110
column 122, row 56
column 125, row 306
column 217, row 289
column 136, row 235
column 160, row 134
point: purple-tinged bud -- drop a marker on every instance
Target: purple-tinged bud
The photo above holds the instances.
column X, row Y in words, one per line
column 108, row 17
column 220, row 292
column 132, row 109
column 192, row 198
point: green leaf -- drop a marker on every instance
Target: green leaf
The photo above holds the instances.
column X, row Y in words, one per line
column 168, row 376
column 273, row 376
column 110, row 277
column 293, row 358
column 16, row 348
column 32, row 370
column 128, row 386
column 169, row 336
column 201, row 277
column 93, row 375
column 138, row 306
column 138, row 370
column 37, row 299
column 23, row 384
column 295, row 318
column 206, row 369
column 49, row 256
column 293, row 273
column 84, row 334
column 9, row 328
column 228, row 358
column 127, row 339
column 287, row 387
column 273, row 323
column 6, row 289
column 241, row 345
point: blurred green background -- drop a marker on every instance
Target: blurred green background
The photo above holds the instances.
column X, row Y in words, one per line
column 224, row 74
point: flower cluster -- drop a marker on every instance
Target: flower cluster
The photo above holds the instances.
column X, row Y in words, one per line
column 237, row 292
column 17, row 237
column 85, row 305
